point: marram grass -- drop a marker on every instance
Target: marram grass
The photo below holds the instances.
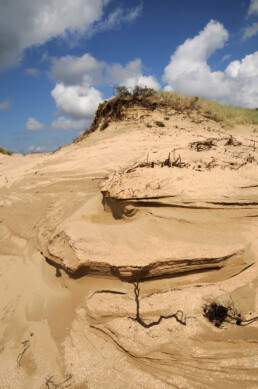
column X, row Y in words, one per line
column 227, row 114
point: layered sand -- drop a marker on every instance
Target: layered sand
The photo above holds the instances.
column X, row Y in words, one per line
column 80, row 225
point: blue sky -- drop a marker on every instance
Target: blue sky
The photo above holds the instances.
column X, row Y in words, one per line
column 60, row 58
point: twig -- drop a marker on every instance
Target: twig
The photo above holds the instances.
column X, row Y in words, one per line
column 49, row 381
column 26, row 344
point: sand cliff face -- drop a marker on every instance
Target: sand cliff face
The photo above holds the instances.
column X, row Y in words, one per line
column 170, row 210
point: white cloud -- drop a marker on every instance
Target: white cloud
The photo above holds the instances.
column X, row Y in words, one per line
column 32, row 72
column 250, row 31
column 253, row 7
column 33, row 125
column 76, row 101
column 4, row 105
column 63, row 123
column 188, row 70
column 71, row 70
column 26, row 23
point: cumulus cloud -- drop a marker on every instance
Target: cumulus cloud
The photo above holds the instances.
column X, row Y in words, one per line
column 188, row 70
column 4, row 105
column 63, row 123
column 76, row 101
column 26, row 23
column 33, row 125
column 72, row 70
column 250, row 31
column 253, row 7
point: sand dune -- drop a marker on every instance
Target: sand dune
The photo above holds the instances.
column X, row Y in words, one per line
column 174, row 209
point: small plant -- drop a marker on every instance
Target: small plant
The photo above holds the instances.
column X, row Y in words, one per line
column 148, row 125
column 160, row 124
column 5, row 152
column 166, row 118
column 104, row 125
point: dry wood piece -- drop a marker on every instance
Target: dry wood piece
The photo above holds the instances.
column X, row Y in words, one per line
column 176, row 162
column 203, row 145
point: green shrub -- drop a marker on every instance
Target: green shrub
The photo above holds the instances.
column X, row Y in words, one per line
column 138, row 90
column 143, row 91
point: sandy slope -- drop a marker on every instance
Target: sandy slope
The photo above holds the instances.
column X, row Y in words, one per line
column 79, row 225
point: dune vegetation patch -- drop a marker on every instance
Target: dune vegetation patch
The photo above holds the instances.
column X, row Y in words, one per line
column 115, row 109
column 6, row 152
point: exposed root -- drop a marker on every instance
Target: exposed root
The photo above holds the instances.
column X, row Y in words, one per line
column 217, row 314
column 179, row 315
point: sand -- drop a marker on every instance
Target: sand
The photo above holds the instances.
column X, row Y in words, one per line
column 131, row 203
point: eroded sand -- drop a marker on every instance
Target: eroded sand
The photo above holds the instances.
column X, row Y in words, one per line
column 79, row 225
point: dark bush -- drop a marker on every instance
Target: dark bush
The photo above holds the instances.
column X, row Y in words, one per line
column 160, row 124
column 215, row 313
column 143, row 91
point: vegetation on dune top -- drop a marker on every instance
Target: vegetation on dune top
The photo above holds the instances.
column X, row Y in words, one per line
column 149, row 98
column 6, row 152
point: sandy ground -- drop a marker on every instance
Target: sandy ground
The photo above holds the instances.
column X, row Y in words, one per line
column 79, row 226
